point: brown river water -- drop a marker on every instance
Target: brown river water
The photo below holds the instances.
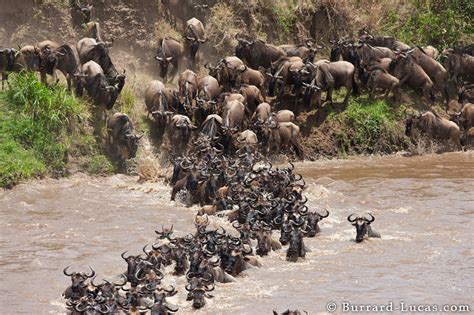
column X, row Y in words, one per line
column 424, row 210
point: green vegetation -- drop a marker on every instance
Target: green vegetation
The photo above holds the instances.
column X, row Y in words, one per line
column 285, row 17
column 41, row 129
column 369, row 126
column 439, row 23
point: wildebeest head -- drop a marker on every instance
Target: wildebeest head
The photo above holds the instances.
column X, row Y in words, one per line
column 132, row 267
column 7, row 59
column 362, row 226
column 296, row 247
column 181, row 259
column 411, row 123
column 194, row 41
column 263, row 241
column 78, row 278
column 162, row 59
column 311, row 91
column 131, row 144
column 78, row 287
column 198, row 295
column 312, row 220
column 165, row 233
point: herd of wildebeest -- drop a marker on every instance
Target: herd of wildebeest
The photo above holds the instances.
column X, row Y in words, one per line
column 221, row 130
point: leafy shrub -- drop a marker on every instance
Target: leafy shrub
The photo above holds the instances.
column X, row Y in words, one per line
column 37, row 123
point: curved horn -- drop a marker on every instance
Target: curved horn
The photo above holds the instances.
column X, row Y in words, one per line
column 327, row 214
column 123, row 255
column 372, row 219
column 66, row 273
column 92, row 273
column 349, row 218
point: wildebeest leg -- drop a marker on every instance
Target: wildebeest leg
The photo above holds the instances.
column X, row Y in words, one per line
column 175, row 69
column 43, row 77
column 298, row 149
column 68, row 80
column 302, row 252
column 346, row 99
column 174, row 192
column 329, row 96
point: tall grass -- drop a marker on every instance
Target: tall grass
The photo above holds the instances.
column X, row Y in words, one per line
column 370, row 127
column 40, row 126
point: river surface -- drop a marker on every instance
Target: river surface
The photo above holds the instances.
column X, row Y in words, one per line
column 424, row 210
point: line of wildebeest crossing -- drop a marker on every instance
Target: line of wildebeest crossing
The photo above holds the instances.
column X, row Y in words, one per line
column 221, row 129
column 263, row 199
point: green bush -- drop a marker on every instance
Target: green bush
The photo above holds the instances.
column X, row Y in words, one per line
column 439, row 23
column 285, row 17
column 36, row 122
column 369, row 126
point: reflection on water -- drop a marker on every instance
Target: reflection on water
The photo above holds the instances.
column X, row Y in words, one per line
column 423, row 206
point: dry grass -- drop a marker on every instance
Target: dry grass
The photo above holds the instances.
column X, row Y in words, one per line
column 222, row 27
column 163, row 29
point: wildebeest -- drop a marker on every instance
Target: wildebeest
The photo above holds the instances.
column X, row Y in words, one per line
column 62, row 58
column 289, row 312
column 311, row 227
column 194, row 35
column 431, row 51
column 7, row 62
column 78, row 287
column 379, row 78
column 364, row 54
column 89, row 49
column 296, row 248
column 466, row 94
column 431, row 125
column 159, row 101
column 283, row 135
column 188, row 88
column 363, row 227
column 170, row 51
column 283, row 72
column 465, row 118
column 180, row 133
column 253, row 96
column 433, row 69
column 389, row 42
column 405, row 69
column 252, row 77
column 122, row 139
column 467, row 138
column 28, row 58
column 459, row 64
column 284, row 115
column 95, row 82
column 80, row 13
column 262, row 113
column 93, row 30
column 189, row 182
column 233, row 114
column 305, row 51
column 256, row 52
column 246, row 138
column 208, row 90
column 330, row 76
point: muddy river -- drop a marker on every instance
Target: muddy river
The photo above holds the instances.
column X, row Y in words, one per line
column 424, row 210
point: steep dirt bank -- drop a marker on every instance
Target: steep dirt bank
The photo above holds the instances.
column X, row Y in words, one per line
column 136, row 25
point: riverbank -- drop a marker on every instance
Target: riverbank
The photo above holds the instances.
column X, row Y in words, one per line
column 47, row 131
